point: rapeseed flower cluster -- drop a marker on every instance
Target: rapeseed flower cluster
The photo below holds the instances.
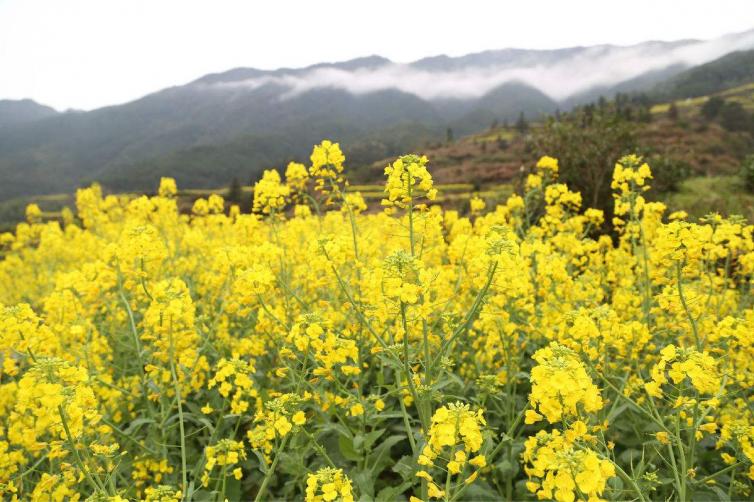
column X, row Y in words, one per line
column 561, row 386
column 226, row 454
column 564, row 467
column 328, row 484
column 455, row 435
column 408, row 179
column 270, row 194
column 318, row 348
column 699, row 368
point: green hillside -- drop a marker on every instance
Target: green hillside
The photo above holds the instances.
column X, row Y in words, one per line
column 695, row 158
column 689, row 141
column 729, row 71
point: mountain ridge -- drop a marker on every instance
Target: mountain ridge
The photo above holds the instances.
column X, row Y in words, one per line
column 361, row 102
column 20, row 111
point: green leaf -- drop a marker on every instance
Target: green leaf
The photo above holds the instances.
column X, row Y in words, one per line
column 358, row 442
column 391, row 493
column 721, row 495
column 345, row 444
column 616, row 412
column 340, row 429
column 370, row 438
column 232, row 489
column 616, row 483
column 262, row 461
column 380, row 457
column 364, row 482
column 203, row 494
column 406, row 467
column 507, row 469
column 135, row 424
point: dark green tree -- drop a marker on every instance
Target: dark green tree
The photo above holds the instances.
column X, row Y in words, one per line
column 522, row 125
column 587, row 113
column 234, row 192
column 667, row 173
column 734, row 117
column 587, row 149
column 711, row 108
column 747, row 173
column 645, row 114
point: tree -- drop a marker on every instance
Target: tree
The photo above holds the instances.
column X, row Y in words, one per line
column 645, row 114
column 522, row 125
column 502, row 143
column 247, row 202
column 673, row 111
column 747, row 173
column 587, row 149
column 667, row 172
column 234, row 192
column 711, row 108
column 449, row 135
column 588, row 114
column 734, row 117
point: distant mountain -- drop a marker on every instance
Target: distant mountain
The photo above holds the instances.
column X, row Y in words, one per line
column 504, row 102
column 641, row 83
column 15, row 112
column 728, row 71
column 238, row 122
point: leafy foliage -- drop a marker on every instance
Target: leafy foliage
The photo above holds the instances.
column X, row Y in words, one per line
column 747, row 173
column 587, row 143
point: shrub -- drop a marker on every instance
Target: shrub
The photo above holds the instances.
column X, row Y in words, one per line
column 747, row 173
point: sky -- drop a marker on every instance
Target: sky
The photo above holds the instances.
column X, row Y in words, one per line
column 84, row 54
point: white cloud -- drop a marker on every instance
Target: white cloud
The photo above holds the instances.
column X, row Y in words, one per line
column 591, row 67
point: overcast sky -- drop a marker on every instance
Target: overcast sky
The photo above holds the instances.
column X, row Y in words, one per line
column 89, row 53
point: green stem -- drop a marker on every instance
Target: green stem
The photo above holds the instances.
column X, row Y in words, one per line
column 92, row 482
column 682, row 474
column 182, row 431
column 721, row 471
column 407, row 422
column 409, row 372
column 470, row 315
column 271, row 470
column 679, row 268
column 628, row 479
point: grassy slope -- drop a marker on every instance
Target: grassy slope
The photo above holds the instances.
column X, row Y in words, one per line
column 722, row 194
column 479, row 159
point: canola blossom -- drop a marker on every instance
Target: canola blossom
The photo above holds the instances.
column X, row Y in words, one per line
column 320, row 349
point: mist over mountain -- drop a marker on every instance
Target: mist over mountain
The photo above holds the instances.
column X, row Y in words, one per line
column 559, row 74
column 236, row 123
